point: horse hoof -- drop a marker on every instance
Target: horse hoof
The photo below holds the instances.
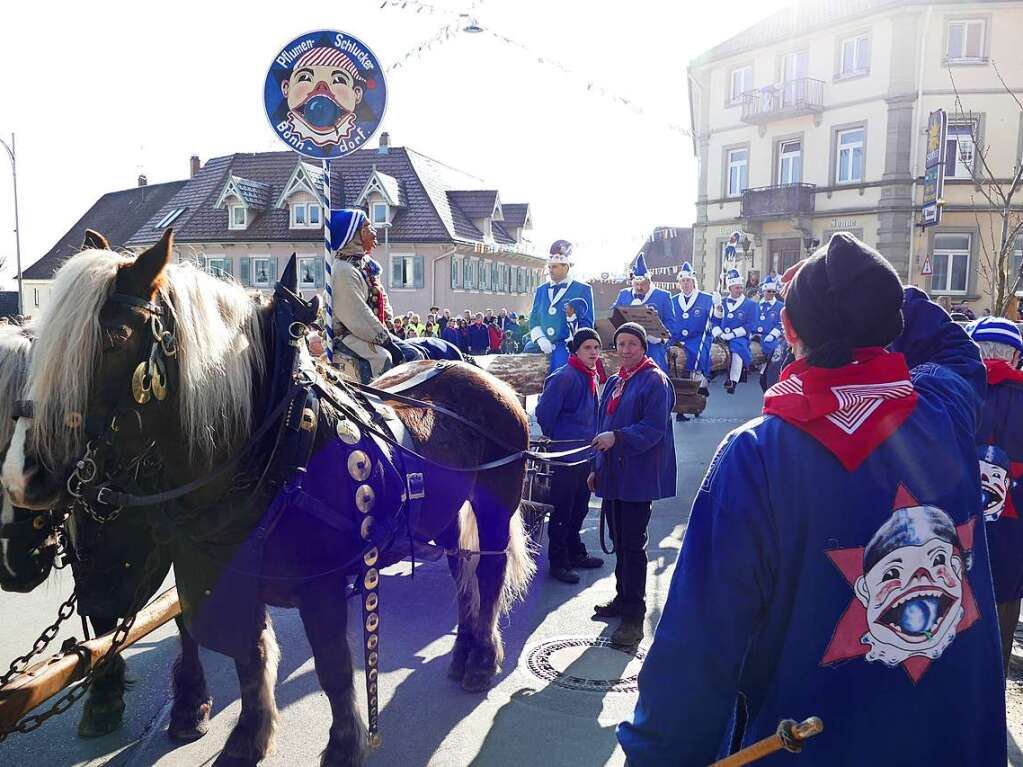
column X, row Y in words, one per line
column 192, row 725
column 477, row 681
column 101, row 719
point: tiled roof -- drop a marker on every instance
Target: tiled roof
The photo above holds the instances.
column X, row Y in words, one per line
column 115, row 215
column 515, row 213
column 501, row 234
column 254, row 193
column 669, row 248
column 478, row 203
column 429, row 213
column 391, row 187
column 801, row 18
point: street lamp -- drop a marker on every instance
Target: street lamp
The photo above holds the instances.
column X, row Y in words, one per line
column 17, row 229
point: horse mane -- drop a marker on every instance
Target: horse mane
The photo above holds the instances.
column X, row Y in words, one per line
column 15, row 348
column 220, row 354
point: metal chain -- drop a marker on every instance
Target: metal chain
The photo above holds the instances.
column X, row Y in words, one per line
column 68, row 699
column 19, row 664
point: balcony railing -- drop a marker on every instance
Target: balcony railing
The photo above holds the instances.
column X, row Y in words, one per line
column 778, row 201
column 792, row 98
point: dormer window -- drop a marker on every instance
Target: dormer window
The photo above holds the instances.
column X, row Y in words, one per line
column 379, row 213
column 238, row 217
column 305, row 215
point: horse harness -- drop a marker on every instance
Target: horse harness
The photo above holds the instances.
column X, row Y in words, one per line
column 374, row 439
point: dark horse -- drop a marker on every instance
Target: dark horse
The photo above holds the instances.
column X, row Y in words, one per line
column 107, row 563
column 245, row 538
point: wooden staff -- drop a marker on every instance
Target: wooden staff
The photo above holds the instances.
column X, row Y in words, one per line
column 790, row 736
column 42, row 680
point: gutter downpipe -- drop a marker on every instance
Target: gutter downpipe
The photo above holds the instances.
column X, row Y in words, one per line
column 915, row 142
column 433, row 275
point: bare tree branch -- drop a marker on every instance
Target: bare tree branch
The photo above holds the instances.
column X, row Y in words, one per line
column 1005, row 85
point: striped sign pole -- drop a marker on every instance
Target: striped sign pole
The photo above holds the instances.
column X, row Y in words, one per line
column 328, row 264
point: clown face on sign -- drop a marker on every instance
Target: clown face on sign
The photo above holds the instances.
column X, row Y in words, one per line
column 323, row 92
column 995, row 480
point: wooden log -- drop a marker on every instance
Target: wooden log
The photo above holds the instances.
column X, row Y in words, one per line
column 42, row 680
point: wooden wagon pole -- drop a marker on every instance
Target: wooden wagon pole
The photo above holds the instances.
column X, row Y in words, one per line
column 790, row 737
column 42, row 680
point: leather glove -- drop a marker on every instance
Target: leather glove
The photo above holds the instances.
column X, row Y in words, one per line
column 545, row 345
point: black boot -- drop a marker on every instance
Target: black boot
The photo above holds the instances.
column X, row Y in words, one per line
column 629, row 633
column 564, row 574
column 610, row 609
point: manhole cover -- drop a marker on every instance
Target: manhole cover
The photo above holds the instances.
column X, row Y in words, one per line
column 584, row 663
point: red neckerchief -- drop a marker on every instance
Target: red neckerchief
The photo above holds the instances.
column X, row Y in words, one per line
column 589, row 373
column 623, row 378
column 850, row 410
column 1000, row 370
column 602, row 375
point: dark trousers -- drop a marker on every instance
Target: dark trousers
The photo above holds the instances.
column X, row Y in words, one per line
column 571, row 500
column 1008, row 617
column 628, row 521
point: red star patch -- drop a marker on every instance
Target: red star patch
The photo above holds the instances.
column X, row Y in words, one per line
column 847, row 640
column 1009, row 509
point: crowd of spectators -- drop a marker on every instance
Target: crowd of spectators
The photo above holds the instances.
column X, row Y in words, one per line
column 486, row 332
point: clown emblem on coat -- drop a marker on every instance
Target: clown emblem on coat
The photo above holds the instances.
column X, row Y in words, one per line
column 911, row 592
column 996, row 481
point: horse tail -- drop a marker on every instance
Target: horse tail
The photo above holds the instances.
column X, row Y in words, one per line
column 521, row 565
column 468, row 540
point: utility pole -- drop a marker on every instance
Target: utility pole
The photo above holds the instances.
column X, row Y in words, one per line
column 17, row 228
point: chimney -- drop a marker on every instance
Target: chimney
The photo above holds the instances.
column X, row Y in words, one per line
column 142, row 179
column 194, row 166
column 385, row 143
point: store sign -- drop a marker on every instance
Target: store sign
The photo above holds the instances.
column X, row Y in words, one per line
column 934, row 168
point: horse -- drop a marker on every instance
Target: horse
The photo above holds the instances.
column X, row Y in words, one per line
column 177, row 363
column 27, row 552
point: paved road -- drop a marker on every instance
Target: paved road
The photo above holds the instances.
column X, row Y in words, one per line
column 426, row 719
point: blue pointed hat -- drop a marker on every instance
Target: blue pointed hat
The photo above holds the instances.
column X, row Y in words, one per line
column 732, row 277
column 640, row 270
column 344, row 225
column 687, row 272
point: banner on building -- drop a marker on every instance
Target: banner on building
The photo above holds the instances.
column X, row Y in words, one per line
column 934, row 168
column 325, row 94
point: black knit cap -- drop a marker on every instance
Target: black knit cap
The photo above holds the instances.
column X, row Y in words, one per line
column 580, row 337
column 846, row 295
column 632, row 328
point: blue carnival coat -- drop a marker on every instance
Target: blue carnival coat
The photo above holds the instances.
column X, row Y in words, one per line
column 660, row 300
column 547, row 318
column 768, row 325
column 740, row 318
column 641, row 465
column 567, row 408
column 478, row 338
column 769, row 592
column 1001, row 424
column 692, row 326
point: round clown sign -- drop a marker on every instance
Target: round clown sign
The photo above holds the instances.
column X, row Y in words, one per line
column 325, row 94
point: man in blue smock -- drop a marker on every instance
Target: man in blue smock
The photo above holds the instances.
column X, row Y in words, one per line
column 834, row 563
column 768, row 325
column 693, row 309
column 548, row 332
column 1000, row 451
column 567, row 413
column 644, row 293
column 634, row 465
column 733, row 324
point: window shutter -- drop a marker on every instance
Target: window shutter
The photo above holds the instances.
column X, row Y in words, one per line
column 245, row 270
column 318, row 272
column 396, row 281
column 273, row 270
column 456, row 267
column 228, row 266
column 200, row 261
column 417, row 271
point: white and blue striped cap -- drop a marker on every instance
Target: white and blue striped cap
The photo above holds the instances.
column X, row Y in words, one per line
column 996, row 329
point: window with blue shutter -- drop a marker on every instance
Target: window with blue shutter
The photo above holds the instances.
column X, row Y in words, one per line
column 456, row 273
column 245, row 270
column 417, row 271
column 397, row 272
column 319, row 271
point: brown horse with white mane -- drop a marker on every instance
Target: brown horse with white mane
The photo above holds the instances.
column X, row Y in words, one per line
column 265, row 501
